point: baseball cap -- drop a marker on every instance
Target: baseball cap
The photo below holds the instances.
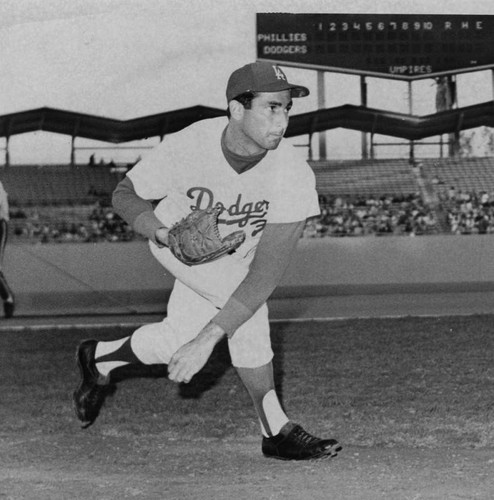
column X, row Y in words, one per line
column 261, row 76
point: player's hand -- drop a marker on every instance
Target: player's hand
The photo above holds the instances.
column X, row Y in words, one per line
column 191, row 357
column 161, row 236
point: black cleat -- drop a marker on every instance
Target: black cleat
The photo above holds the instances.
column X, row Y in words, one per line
column 93, row 388
column 294, row 443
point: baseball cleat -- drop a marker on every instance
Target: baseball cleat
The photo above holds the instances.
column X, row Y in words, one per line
column 93, row 388
column 294, row 443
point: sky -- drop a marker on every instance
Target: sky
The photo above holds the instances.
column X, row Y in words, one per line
column 130, row 58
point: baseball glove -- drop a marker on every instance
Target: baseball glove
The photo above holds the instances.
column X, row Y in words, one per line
column 196, row 238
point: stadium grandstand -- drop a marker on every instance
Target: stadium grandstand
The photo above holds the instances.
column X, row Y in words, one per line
column 71, row 202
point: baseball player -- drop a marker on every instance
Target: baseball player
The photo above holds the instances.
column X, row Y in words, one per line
column 5, row 292
column 260, row 186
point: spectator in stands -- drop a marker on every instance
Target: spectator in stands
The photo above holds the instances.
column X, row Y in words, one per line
column 311, row 228
column 5, row 292
column 470, row 213
column 343, row 216
column 484, row 198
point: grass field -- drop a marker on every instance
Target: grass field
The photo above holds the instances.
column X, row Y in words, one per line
column 411, row 387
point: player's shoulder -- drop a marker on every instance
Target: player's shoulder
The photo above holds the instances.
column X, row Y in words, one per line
column 290, row 169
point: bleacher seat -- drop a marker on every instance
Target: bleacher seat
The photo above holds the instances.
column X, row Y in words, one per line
column 56, row 195
column 57, row 184
column 464, row 174
column 365, row 177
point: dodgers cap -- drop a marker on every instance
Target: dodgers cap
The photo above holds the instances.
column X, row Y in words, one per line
column 261, row 76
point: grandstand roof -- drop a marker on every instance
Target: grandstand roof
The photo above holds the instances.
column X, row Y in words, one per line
column 101, row 128
column 389, row 123
column 410, row 127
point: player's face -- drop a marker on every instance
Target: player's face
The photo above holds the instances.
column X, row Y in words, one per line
column 264, row 125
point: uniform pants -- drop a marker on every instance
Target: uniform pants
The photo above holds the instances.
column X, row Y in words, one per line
column 198, row 294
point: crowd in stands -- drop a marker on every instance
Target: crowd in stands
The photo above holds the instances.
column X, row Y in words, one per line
column 469, row 212
column 102, row 224
column 466, row 213
column 340, row 216
column 363, row 216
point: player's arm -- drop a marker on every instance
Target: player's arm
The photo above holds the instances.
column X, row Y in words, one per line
column 138, row 212
column 272, row 257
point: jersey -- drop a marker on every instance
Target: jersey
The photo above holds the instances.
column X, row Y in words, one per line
column 188, row 171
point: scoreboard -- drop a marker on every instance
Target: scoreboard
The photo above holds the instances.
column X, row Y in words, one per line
column 401, row 46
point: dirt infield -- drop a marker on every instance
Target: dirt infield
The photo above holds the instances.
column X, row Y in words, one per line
column 223, row 469
column 410, row 399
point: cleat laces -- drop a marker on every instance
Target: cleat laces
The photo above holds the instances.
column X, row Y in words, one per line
column 303, row 437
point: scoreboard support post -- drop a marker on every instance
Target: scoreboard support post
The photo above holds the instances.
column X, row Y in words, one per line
column 7, row 153
column 321, row 103
column 410, row 111
column 363, row 101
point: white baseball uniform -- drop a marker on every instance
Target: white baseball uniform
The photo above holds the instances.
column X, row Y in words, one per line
column 188, row 171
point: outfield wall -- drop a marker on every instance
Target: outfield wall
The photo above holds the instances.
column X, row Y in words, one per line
column 123, row 277
column 387, row 264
